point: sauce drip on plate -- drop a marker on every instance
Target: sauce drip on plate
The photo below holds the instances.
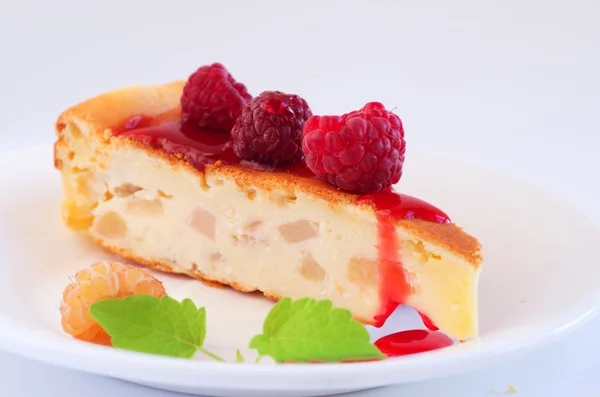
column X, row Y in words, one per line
column 412, row 341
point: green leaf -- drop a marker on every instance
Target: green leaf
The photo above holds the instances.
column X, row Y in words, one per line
column 148, row 324
column 238, row 356
column 309, row 330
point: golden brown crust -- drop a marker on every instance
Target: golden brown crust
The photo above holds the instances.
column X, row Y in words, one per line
column 448, row 236
column 112, row 108
column 115, row 107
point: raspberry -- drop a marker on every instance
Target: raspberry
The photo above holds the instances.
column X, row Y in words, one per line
column 102, row 280
column 360, row 152
column 269, row 130
column 212, row 98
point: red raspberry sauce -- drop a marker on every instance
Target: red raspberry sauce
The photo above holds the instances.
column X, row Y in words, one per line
column 198, row 146
column 166, row 132
column 391, row 207
column 411, row 342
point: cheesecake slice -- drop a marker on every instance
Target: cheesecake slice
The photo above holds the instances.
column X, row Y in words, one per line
column 144, row 186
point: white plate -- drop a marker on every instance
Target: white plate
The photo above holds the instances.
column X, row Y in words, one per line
column 541, row 277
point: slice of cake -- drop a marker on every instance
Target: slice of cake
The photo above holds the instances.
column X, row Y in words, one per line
column 152, row 186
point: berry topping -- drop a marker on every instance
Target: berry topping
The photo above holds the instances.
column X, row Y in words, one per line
column 269, row 130
column 212, row 98
column 361, row 152
column 102, row 280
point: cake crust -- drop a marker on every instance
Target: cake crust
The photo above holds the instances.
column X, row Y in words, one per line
column 103, row 113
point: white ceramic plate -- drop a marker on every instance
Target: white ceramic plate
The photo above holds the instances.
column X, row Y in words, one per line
column 541, row 277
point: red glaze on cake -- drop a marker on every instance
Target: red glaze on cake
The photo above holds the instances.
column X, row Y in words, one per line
column 390, row 208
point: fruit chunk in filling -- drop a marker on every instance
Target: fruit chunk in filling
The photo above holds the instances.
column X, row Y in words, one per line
column 204, row 222
column 111, row 226
column 298, row 231
column 310, row 268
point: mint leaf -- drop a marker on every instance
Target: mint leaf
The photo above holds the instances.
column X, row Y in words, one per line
column 238, row 356
column 148, row 324
column 309, row 330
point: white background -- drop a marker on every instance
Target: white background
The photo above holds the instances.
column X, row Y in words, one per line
column 512, row 85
